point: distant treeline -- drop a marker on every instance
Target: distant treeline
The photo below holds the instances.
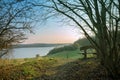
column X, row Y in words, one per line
column 37, row 45
column 64, row 48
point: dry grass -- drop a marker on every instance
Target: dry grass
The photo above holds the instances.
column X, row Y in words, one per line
column 52, row 69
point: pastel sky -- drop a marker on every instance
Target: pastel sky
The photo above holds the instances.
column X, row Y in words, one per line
column 53, row 32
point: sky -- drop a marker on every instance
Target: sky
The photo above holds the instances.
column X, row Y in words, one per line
column 53, row 32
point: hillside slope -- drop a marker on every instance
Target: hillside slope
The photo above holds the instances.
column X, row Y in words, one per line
column 53, row 69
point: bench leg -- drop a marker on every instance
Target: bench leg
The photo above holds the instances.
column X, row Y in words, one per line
column 85, row 54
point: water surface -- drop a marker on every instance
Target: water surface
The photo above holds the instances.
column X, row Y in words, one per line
column 29, row 52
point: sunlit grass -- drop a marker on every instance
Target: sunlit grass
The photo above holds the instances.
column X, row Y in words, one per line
column 28, row 68
column 32, row 68
column 70, row 55
column 48, row 68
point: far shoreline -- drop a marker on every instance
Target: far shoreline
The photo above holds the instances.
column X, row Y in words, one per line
column 40, row 45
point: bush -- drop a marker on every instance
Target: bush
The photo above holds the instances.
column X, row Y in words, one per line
column 37, row 55
column 64, row 48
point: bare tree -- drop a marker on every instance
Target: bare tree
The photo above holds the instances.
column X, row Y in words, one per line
column 102, row 17
column 15, row 20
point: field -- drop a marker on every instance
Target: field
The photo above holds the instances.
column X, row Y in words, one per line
column 69, row 55
column 44, row 69
column 66, row 65
column 51, row 69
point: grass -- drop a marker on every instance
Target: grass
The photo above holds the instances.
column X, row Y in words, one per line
column 69, row 55
column 28, row 69
column 59, row 66
column 47, row 68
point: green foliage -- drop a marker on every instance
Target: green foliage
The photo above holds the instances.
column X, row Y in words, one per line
column 65, row 48
column 83, row 41
column 26, row 71
column 52, row 69
column 29, row 70
column 26, row 59
column 37, row 55
column 71, row 54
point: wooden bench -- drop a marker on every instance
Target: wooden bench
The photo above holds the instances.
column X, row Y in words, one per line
column 85, row 48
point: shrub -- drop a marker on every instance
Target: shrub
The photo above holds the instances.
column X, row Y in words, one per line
column 64, row 48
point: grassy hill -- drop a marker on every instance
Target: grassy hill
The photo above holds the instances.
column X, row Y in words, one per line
column 71, row 51
column 69, row 55
column 52, row 69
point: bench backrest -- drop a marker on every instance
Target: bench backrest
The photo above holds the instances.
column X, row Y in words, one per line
column 86, row 47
